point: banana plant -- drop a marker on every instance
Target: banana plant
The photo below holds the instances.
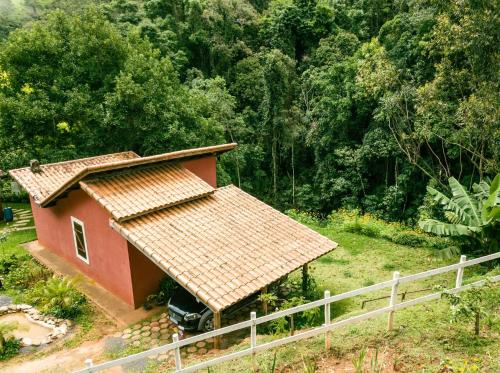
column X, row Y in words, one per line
column 475, row 215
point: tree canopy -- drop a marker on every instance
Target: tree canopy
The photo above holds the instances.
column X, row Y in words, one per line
column 349, row 103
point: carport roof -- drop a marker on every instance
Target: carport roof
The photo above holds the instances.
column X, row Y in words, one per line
column 224, row 246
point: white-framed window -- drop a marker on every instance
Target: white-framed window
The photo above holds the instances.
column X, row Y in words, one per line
column 79, row 239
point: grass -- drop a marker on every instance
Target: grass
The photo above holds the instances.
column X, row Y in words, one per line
column 15, row 205
column 423, row 337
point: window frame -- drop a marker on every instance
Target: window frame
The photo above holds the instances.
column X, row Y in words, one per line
column 73, row 221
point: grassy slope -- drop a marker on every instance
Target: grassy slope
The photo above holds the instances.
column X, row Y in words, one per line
column 423, row 337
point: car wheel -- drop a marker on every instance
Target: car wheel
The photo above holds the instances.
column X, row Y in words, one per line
column 207, row 322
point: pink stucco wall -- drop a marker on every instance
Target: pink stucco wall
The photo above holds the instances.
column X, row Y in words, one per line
column 113, row 262
column 107, row 250
column 205, row 168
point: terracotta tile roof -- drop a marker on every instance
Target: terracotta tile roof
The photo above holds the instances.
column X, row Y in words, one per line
column 224, row 247
column 42, row 184
column 140, row 191
column 46, row 188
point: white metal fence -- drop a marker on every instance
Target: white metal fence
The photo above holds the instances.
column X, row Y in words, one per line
column 324, row 329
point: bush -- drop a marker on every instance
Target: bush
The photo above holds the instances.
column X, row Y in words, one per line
column 9, row 346
column 371, row 226
column 303, row 217
column 57, row 297
column 166, row 289
column 10, row 349
column 25, row 275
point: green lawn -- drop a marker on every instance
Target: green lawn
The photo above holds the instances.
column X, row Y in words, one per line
column 423, row 337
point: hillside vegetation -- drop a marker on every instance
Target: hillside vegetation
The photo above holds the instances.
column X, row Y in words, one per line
column 335, row 104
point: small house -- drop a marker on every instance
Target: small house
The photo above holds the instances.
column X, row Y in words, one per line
column 126, row 221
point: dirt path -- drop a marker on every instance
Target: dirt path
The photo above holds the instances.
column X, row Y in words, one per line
column 61, row 361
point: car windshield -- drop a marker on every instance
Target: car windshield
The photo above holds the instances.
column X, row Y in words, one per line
column 185, row 301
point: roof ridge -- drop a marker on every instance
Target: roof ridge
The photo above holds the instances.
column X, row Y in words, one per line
column 81, row 159
column 115, row 165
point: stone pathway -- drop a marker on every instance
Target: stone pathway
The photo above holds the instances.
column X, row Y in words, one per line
column 23, row 220
column 159, row 330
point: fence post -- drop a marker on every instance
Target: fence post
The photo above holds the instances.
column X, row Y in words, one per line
column 394, row 297
column 177, row 352
column 253, row 338
column 89, row 363
column 328, row 321
column 460, row 272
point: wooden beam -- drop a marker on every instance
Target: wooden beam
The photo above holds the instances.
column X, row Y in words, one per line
column 305, row 277
column 264, row 303
column 217, row 325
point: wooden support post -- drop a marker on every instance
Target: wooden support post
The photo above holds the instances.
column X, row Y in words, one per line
column 305, row 277
column 394, row 298
column 89, row 363
column 177, row 352
column 292, row 325
column 460, row 272
column 253, row 338
column 328, row 321
column 217, row 325
column 264, row 302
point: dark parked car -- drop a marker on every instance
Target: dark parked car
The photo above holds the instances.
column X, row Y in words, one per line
column 190, row 314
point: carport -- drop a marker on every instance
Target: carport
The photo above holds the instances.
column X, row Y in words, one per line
column 225, row 246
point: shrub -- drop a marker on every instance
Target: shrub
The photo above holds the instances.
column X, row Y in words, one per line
column 303, row 217
column 58, row 297
column 166, row 289
column 369, row 225
column 25, row 275
column 9, row 346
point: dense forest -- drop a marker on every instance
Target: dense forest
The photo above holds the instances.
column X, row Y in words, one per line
column 341, row 103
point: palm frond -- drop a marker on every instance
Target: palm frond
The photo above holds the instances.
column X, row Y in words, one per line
column 466, row 202
column 445, row 229
column 491, row 207
column 448, row 252
column 452, row 217
column 450, row 205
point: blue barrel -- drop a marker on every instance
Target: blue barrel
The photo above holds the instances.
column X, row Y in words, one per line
column 8, row 214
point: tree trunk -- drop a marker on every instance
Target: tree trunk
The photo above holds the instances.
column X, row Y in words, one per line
column 274, row 156
column 293, row 177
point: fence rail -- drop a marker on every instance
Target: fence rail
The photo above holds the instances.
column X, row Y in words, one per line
column 324, row 329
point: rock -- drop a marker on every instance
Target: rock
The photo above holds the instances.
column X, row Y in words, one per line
column 163, row 315
column 26, row 341
column 136, row 332
column 146, row 333
column 202, row 351
column 164, row 331
column 154, row 324
column 136, row 343
column 69, row 323
column 135, row 338
column 145, row 328
column 163, row 357
column 127, row 336
column 163, row 320
column 127, row 331
column 155, row 335
column 4, row 309
column 155, row 329
column 191, row 349
column 201, row 344
column 137, row 326
column 163, row 325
